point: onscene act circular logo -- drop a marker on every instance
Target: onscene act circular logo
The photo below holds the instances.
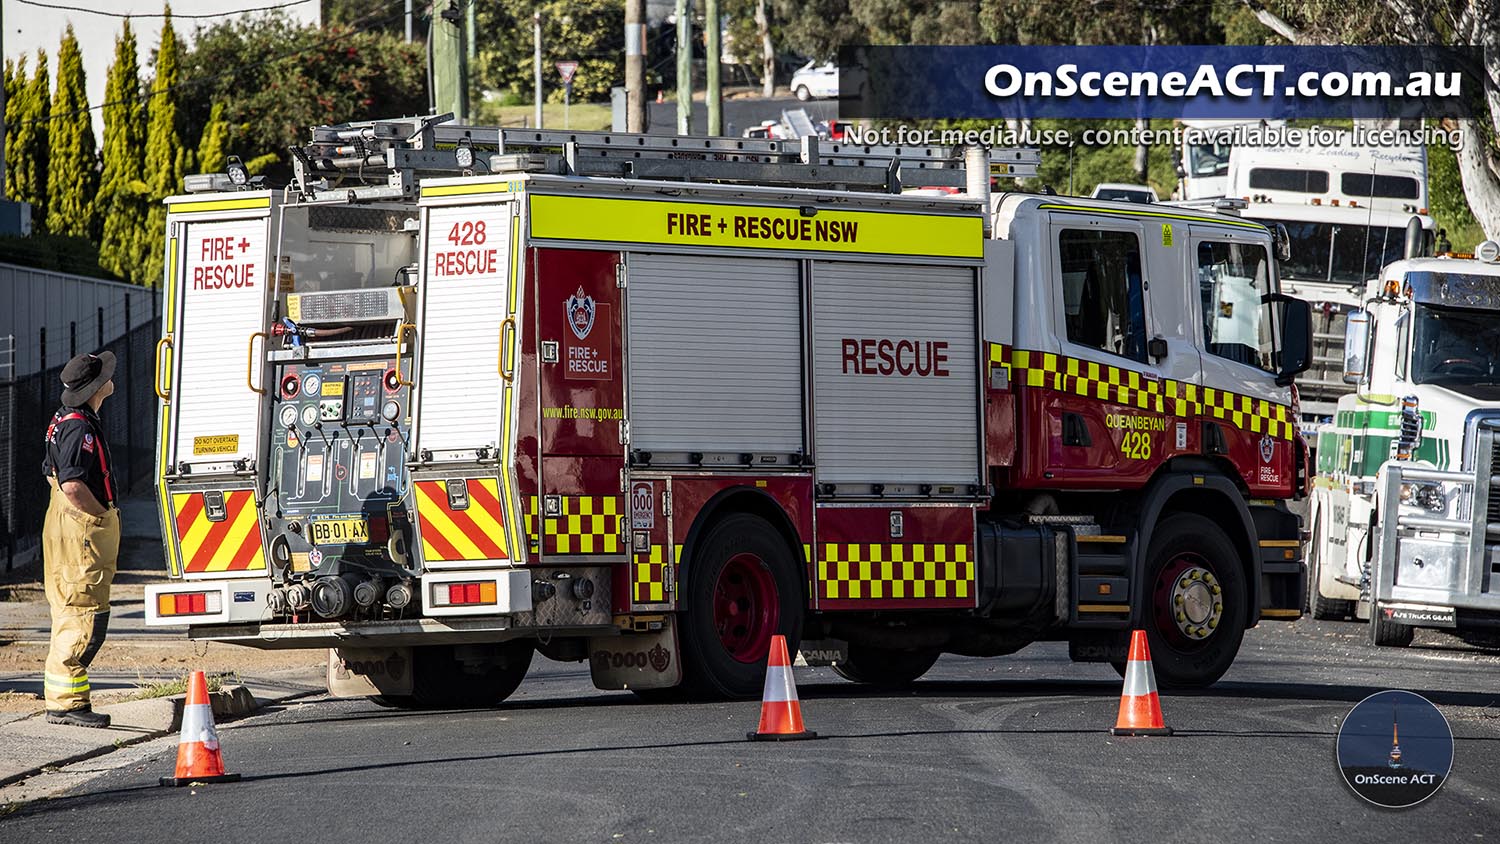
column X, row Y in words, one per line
column 1395, row 749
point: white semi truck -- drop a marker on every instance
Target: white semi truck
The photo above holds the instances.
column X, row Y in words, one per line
column 1405, row 528
column 1346, row 212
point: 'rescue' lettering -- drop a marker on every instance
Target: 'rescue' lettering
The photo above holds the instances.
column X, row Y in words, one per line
column 466, row 262
column 784, row 228
column 229, row 270
column 881, row 356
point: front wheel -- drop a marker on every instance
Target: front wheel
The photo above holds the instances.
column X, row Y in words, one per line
column 885, row 668
column 742, row 588
column 1321, row 608
column 803, row 94
column 1196, row 607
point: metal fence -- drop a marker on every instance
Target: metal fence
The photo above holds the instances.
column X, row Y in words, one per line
column 27, row 402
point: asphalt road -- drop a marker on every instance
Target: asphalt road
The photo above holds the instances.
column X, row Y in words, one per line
column 1013, row 748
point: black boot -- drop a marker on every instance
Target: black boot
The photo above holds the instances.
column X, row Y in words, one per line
column 82, row 717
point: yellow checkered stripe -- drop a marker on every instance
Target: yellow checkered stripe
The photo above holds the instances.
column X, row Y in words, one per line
column 1064, row 374
column 650, row 574
column 588, row 524
column 887, row 571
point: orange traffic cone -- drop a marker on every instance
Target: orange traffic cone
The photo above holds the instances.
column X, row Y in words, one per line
column 780, row 711
column 198, row 759
column 1140, row 707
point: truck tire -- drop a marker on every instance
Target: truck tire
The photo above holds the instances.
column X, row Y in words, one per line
column 441, row 681
column 1385, row 633
column 743, row 586
column 1195, row 605
column 1321, row 608
column 885, row 668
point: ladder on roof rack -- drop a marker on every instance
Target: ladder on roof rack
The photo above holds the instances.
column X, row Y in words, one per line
column 400, row 150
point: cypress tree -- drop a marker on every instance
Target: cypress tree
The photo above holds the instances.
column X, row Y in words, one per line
column 213, row 148
column 125, row 245
column 26, row 147
column 164, row 153
column 72, row 167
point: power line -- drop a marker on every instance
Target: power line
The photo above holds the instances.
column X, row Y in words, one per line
column 129, row 15
column 361, row 24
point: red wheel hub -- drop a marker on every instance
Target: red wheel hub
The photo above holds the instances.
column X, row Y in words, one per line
column 746, row 611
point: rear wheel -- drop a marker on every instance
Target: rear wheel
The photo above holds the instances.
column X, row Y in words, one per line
column 742, row 588
column 1385, row 633
column 886, row 668
column 444, row 677
column 1196, row 606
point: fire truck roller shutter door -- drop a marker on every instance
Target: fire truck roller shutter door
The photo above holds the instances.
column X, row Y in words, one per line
column 223, row 299
column 894, row 374
column 464, row 300
column 715, row 349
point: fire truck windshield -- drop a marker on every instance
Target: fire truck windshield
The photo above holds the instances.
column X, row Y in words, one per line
column 1338, row 252
column 1456, row 346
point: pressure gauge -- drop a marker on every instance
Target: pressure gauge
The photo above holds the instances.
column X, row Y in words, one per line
column 311, row 384
column 310, row 415
column 391, row 410
column 288, row 415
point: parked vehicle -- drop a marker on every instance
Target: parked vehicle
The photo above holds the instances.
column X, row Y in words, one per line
column 1125, row 192
column 1404, row 505
column 815, row 81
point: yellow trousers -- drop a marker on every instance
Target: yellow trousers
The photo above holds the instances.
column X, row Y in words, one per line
column 79, row 553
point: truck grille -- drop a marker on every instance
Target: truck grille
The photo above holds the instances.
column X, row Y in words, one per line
column 1493, row 510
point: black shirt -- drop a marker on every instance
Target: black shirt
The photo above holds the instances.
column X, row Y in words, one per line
column 76, row 451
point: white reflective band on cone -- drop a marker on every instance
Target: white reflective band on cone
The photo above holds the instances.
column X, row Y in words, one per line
column 1138, row 679
column 198, row 725
column 779, row 686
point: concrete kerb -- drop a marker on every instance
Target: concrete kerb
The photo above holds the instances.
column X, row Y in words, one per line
column 30, row 746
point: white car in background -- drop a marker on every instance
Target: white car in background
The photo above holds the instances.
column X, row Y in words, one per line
column 1127, row 193
column 815, row 81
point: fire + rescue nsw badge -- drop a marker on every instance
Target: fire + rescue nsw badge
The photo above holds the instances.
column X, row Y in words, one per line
column 581, row 314
column 588, row 353
column 1267, row 448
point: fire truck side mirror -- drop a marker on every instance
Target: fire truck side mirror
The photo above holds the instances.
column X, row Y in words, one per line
column 1356, row 346
column 1296, row 337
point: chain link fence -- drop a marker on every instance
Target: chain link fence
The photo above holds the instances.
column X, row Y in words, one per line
column 27, row 403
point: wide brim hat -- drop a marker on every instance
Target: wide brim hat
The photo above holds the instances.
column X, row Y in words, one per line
column 84, row 375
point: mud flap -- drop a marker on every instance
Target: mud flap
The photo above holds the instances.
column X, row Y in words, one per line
column 822, row 652
column 650, row 660
column 361, row 672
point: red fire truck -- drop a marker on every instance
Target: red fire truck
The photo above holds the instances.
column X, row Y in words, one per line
column 646, row 401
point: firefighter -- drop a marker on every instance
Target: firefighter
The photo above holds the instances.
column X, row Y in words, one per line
column 80, row 538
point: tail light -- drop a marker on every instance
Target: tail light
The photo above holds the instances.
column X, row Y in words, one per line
column 464, row 594
column 174, row 604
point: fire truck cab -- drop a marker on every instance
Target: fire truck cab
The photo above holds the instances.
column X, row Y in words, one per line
column 647, row 401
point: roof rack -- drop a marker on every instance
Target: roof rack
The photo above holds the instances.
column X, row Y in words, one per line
column 396, row 153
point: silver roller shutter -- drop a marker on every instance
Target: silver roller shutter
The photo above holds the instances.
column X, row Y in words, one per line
column 715, row 349
column 873, row 423
column 458, row 388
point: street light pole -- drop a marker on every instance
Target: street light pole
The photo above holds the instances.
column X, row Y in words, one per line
column 635, row 65
column 684, row 67
column 714, row 97
column 536, row 22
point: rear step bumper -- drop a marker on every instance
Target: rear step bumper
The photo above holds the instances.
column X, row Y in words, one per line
column 415, row 631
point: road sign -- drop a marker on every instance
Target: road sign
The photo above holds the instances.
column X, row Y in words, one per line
column 566, row 71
